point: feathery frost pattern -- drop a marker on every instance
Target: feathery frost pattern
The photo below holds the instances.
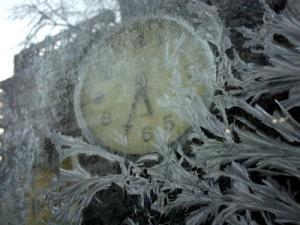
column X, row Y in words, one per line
column 239, row 163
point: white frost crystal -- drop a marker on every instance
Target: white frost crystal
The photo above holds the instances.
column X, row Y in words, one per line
column 240, row 155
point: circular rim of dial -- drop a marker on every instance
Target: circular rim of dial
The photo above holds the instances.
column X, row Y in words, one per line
column 77, row 92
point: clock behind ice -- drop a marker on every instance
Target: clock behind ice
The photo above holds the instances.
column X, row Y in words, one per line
column 124, row 79
column 125, row 76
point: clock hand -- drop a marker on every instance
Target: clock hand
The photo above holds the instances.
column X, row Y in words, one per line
column 129, row 121
column 140, row 91
column 133, row 106
column 147, row 102
column 141, row 88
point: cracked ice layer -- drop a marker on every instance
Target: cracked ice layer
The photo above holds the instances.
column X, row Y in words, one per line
column 126, row 77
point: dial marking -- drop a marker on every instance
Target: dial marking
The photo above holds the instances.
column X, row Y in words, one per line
column 147, row 134
column 138, row 40
column 169, row 123
column 106, row 119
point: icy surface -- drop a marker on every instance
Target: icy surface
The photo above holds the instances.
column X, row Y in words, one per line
column 249, row 126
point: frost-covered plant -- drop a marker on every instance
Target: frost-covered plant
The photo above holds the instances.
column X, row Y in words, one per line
column 229, row 169
column 233, row 150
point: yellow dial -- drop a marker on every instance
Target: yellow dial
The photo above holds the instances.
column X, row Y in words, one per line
column 125, row 76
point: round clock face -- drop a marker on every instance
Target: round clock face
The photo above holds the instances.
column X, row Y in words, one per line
column 125, row 77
